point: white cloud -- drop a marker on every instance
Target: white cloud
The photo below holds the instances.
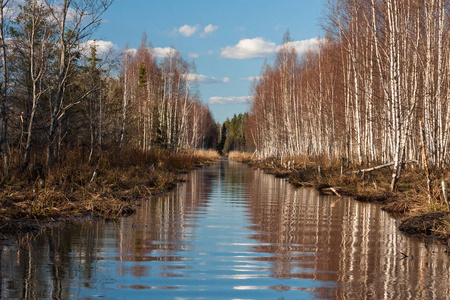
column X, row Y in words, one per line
column 193, row 55
column 103, row 47
column 230, row 100
column 202, row 79
column 208, row 30
column 187, row 30
column 250, row 48
column 303, row 46
column 258, row 47
column 162, row 52
column 253, row 78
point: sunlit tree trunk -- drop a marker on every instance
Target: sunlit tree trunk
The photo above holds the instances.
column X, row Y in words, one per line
column 4, row 90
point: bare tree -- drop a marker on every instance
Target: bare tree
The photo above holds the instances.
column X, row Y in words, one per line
column 38, row 33
column 4, row 90
column 84, row 18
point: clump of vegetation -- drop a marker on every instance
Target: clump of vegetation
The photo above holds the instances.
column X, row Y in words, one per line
column 240, row 156
column 210, row 155
column 429, row 224
column 106, row 189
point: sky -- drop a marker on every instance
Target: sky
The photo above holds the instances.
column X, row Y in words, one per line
column 228, row 41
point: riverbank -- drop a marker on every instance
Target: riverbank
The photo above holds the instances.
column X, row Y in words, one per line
column 106, row 188
column 420, row 217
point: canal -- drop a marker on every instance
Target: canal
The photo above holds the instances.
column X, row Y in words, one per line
column 229, row 232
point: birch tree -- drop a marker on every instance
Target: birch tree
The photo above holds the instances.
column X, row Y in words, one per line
column 33, row 35
column 73, row 27
column 4, row 89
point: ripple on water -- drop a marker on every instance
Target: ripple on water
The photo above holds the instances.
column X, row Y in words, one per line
column 230, row 232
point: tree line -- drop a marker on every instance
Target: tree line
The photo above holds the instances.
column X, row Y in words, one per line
column 382, row 67
column 163, row 106
column 232, row 134
column 58, row 93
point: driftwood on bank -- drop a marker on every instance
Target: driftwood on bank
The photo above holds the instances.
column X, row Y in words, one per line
column 378, row 167
column 335, row 192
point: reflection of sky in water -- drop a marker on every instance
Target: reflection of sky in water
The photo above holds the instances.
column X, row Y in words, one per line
column 230, row 232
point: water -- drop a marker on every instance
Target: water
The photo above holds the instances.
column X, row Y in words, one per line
column 229, row 232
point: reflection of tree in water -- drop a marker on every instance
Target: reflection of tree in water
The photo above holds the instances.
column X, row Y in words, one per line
column 352, row 244
column 40, row 266
column 163, row 226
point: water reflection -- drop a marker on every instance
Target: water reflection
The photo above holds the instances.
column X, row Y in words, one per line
column 353, row 244
column 229, row 232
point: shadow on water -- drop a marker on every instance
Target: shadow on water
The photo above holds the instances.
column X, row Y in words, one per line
column 229, row 232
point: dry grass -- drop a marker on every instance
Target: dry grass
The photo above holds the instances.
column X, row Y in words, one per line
column 240, row 156
column 207, row 154
column 105, row 188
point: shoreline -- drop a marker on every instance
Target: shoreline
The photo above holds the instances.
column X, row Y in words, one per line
column 419, row 220
column 107, row 191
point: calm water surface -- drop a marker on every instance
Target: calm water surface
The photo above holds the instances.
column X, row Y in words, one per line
column 229, row 232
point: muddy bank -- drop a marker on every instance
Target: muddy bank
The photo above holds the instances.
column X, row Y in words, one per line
column 409, row 201
column 107, row 189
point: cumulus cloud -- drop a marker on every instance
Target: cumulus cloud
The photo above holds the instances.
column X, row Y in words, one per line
column 202, row 79
column 230, row 100
column 250, row 48
column 187, row 30
column 193, row 55
column 258, row 47
column 303, row 46
column 162, row 52
column 208, row 30
column 103, row 47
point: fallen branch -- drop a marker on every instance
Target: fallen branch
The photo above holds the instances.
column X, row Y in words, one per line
column 378, row 167
column 331, row 189
column 334, row 191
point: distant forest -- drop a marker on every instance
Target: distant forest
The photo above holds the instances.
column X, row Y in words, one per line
column 232, row 135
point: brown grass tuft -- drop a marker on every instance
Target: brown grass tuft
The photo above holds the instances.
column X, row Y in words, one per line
column 240, row 156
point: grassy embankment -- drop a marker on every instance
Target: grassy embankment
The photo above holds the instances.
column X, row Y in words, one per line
column 105, row 189
column 410, row 200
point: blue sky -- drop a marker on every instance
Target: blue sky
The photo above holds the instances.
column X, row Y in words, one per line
column 227, row 40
